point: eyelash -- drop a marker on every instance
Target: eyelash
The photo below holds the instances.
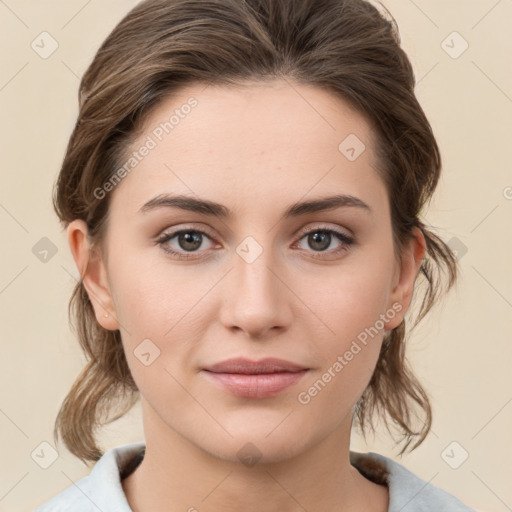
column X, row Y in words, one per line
column 342, row 237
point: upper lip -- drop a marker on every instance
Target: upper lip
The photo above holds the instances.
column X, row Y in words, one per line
column 246, row 366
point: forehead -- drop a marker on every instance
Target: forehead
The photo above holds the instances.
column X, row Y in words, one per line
column 248, row 142
column 260, row 114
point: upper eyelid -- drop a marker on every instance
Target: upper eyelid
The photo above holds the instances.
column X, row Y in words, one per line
column 205, row 231
column 305, row 231
column 173, row 232
column 299, row 233
column 344, row 239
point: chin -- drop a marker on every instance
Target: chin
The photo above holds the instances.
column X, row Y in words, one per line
column 254, row 445
column 250, row 452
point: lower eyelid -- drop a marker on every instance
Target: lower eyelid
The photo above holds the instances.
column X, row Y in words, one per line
column 340, row 235
column 345, row 240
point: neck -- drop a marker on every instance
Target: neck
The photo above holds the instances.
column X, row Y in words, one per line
column 176, row 475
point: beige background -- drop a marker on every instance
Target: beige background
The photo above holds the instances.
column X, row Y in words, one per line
column 462, row 354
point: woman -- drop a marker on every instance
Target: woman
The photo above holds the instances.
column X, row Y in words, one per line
column 242, row 193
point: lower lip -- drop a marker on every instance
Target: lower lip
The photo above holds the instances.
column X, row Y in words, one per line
column 262, row 385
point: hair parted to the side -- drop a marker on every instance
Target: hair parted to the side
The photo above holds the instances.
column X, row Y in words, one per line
column 348, row 47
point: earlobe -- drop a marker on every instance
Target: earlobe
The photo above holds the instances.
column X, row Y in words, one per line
column 93, row 273
column 401, row 296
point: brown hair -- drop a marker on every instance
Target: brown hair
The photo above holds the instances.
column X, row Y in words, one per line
column 347, row 47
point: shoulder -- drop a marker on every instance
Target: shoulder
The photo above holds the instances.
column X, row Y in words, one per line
column 407, row 492
column 101, row 489
column 73, row 497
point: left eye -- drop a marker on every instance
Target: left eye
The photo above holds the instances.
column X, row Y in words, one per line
column 320, row 239
column 190, row 240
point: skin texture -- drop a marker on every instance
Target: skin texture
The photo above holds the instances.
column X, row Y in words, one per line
column 256, row 149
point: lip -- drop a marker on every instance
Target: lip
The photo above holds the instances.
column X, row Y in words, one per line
column 248, row 367
column 255, row 379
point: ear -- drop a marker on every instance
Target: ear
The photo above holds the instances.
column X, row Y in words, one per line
column 93, row 272
column 405, row 276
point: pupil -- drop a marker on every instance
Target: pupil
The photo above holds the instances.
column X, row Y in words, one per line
column 190, row 238
column 318, row 238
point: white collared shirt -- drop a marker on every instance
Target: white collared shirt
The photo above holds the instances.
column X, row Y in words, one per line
column 101, row 490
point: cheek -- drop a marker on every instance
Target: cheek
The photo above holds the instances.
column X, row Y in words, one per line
column 349, row 349
column 161, row 314
column 352, row 305
column 153, row 294
column 351, row 297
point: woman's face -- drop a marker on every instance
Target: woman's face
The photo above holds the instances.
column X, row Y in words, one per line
column 257, row 275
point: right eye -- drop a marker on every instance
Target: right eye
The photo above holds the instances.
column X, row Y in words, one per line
column 188, row 241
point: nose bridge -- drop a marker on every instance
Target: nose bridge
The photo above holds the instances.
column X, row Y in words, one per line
column 257, row 297
column 253, row 262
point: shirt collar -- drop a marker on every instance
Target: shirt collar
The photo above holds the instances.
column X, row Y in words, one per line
column 407, row 492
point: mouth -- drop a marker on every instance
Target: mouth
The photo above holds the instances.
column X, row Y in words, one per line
column 255, row 379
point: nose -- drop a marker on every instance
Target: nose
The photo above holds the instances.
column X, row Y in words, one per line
column 257, row 299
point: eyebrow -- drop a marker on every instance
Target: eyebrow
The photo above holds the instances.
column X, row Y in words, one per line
column 206, row 207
